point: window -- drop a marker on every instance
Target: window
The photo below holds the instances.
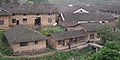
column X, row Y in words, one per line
column 36, row 42
column 13, row 14
column 50, row 13
column 24, row 14
column 13, row 20
column 25, row 20
column 91, row 36
column 49, row 20
column 1, row 22
column 60, row 42
column 37, row 14
column 24, row 44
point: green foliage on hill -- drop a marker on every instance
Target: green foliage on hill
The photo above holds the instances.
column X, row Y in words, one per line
column 106, row 54
column 79, row 54
column 4, row 46
column 61, row 55
column 106, row 33
column 10, row 58
column 111, row 46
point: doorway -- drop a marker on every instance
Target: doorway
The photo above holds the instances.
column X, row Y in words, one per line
column 38, row 21
column 17, row 22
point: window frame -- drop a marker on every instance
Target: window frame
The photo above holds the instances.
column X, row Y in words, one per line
column 13, row 20
column 24, row 20
column 36, row 42
column 13, row 14
column 2, row 22
column 23, row 44
column 24, row 14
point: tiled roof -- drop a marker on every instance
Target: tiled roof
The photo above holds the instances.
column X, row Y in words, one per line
column 21, row 33
column 90, row 27
column 72, row 8
column 16, row 8
column 109, row 7
column 68, row 24
column 69, row 34
column 4, row 12
column 87, row 17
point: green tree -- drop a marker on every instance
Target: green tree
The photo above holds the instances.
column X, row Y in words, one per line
column 111, row 43
column 106, row 54
column 106, row 33
column 114, row 45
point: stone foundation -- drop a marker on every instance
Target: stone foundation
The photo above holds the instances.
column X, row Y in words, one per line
column 30, row 52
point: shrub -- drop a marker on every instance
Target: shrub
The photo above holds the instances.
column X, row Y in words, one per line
column 4, row 46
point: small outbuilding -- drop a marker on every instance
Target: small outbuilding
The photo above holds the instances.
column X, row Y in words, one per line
column 67, row 39
column 22, row 38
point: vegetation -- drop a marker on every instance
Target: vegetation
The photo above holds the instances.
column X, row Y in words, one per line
column 106, row 33
column 106, row 54
column 4, row 46
column 49, row 30
column 67, row 55
column 10, row 58
column 60, row 55
column 111, row 40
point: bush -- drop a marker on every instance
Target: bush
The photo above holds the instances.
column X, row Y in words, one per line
column 4, row 46
column 106, row 33
column 106, row 54
column 59, row 55
column 11, row 59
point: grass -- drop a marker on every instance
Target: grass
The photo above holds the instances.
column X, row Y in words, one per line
column 10, row 58
column 80, row 54
column 61, row 55
column 49, row 30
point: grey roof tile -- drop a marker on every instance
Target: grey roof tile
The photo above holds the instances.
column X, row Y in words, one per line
column 69, row 34
column 15, row 8
column 87, row 17
column 21, row 33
